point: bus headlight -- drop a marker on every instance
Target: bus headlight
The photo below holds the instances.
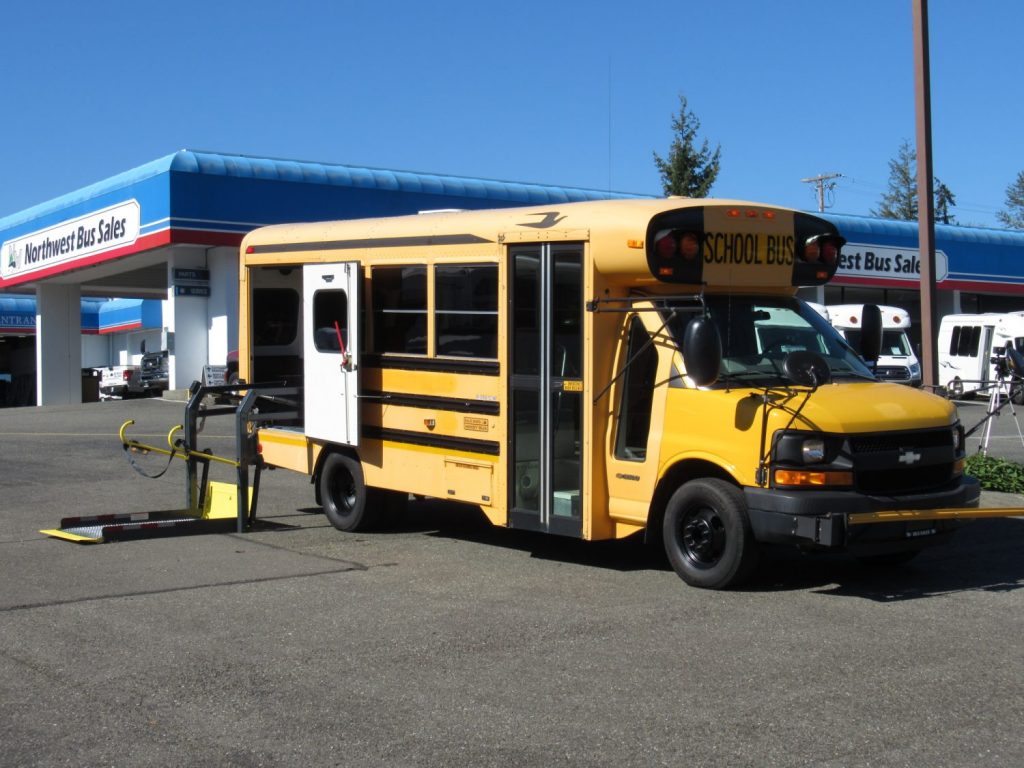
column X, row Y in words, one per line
column 813, row 450
column 796, row 447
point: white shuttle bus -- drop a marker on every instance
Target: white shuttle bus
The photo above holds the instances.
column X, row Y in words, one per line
column 971, row 345
column 897, row 363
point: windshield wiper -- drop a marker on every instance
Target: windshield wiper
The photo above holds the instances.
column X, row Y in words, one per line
column 852, row 375
column 749, row 375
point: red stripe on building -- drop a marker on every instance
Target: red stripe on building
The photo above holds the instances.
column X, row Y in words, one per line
column 144, row 243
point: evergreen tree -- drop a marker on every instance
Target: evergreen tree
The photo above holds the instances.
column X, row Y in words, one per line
column 687, row 171
column 1013, row 216
column 944, row 200
column 900, row 201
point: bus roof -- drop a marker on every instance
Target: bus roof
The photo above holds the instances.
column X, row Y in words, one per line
column 850, row 315
column 620, row 231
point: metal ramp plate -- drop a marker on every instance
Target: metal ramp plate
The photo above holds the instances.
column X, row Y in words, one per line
column 219, row 515
column 97, row 529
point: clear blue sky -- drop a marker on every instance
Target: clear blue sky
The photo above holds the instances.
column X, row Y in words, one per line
column 571, row 93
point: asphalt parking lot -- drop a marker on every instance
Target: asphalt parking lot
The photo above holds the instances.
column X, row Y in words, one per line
column 447, row 642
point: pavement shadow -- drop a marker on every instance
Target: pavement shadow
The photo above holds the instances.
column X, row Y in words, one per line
column 983, row 556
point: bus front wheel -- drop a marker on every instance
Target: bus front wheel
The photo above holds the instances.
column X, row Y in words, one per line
column 707, row 534
column 343, row 493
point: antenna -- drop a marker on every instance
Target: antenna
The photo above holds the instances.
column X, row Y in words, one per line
column 824, row 183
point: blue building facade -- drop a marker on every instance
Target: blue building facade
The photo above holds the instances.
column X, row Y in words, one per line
column 169, row 231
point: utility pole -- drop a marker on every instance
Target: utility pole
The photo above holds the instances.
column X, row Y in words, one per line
column 926, row 202
column 825, row 183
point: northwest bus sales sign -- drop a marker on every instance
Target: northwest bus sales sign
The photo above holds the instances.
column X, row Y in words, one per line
column 883, row 263
column 70, row 241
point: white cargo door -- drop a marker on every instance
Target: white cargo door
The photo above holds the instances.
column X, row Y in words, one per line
column 330, row 317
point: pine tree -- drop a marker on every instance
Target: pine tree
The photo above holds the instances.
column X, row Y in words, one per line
column 1013, row 216
column 900, row 201
column 687, row 171
column 944, row 200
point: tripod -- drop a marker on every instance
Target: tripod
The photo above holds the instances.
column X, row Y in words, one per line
column 995, row 405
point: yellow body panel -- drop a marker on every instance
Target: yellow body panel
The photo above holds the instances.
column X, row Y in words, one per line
column 724, row 426
column 751, row 250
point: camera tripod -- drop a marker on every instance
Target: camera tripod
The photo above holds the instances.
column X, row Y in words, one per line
column 995, row 404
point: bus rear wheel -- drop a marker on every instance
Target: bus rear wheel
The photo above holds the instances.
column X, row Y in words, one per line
column 707, row 534
column 343, row 494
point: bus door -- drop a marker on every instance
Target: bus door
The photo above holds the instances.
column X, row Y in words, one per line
column 546, row 387
column 330, row 327
column 986, row 369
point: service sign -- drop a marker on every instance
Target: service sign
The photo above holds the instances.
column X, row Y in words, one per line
column 70, row 241
column 884, row 263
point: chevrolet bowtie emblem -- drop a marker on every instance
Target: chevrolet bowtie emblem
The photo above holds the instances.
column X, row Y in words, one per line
column 909, row 456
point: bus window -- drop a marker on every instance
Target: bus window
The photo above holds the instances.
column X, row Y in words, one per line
column 637, row 393
column 567, row 320
column 400, row 309
column 466, row 310
column 330, row 321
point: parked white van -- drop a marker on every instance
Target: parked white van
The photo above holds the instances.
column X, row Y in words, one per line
column 968, row 344
column 897, row 363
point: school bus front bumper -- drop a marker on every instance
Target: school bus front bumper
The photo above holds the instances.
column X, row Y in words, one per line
column 847, row 519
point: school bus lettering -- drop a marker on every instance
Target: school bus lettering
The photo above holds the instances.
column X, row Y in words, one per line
column 645, row 364
column 740, row 248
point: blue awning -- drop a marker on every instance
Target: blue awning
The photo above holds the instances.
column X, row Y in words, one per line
column 130, row 315
column 18, row 315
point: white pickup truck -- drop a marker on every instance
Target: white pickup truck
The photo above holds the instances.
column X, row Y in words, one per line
column 120, row 381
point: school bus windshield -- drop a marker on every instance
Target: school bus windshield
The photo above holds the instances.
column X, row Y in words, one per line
column 758, row 332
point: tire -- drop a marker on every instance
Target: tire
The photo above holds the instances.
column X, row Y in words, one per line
column 707, row 534
column 343, row 494
column 1017, row 393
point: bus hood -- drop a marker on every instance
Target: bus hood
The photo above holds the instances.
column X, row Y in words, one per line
column 867, row 407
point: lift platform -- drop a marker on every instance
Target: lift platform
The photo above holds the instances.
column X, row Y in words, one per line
column 217, row 516
column 211, row 507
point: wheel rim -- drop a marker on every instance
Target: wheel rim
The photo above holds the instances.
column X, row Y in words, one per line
column 344, row 492
column 703, row 537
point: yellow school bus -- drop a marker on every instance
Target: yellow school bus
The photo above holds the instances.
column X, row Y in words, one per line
column 594, row 370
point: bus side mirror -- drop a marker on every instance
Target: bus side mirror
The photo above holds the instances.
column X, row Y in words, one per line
column 871, row 333
column 702, row 351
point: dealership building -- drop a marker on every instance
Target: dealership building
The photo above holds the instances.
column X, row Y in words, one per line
column 148, row 259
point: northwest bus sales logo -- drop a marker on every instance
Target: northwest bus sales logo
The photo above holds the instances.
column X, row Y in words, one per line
column 69, row 241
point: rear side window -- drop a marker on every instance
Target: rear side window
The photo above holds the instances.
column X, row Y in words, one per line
column 965, row 340
column 400, row 309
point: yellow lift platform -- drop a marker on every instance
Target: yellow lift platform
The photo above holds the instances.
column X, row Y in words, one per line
column 212, row 507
